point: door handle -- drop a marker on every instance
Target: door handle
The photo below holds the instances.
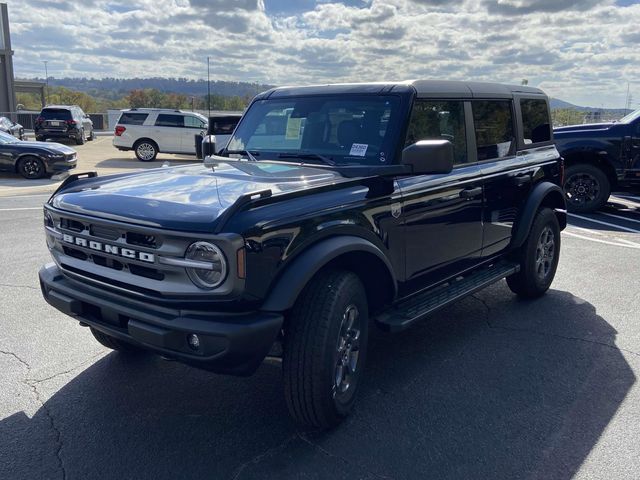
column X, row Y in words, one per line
column 519, row 180
column 470, row 192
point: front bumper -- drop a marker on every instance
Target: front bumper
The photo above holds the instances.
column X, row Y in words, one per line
column 230, row 343
column 56, row 166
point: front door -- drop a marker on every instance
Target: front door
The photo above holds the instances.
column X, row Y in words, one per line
column 192, row 126
column 442, row 213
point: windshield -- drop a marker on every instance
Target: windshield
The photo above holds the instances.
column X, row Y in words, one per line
column 6, row 138
column 345, row 130
column 631, row 117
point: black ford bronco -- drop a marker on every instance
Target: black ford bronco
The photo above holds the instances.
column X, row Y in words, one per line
column 332, row 208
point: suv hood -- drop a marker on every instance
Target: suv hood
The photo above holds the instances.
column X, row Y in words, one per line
column 583, row 128
column 186, row 198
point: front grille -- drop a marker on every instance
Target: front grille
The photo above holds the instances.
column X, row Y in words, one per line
column 103, row 232
column 73, row 225
column 141, row 240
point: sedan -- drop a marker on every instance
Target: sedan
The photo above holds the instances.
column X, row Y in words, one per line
column 34, row 159
column 12, row 128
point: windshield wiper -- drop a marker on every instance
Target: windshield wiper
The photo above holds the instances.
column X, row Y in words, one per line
column 308, row 156
column 250, row 155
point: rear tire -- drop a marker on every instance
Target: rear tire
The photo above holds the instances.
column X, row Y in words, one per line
column 587, row 188
column 538, row 257
column 31, row 168
column 114, row 343
column 92, row 135
column 146, row 150
column 325, row 349
column 80, row 138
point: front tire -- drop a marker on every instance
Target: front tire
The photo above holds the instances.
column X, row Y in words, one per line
column 325, row 349
column 146, row 150
column 587, row 188
column 31, row 168
column 538, row 257
column 114, row 343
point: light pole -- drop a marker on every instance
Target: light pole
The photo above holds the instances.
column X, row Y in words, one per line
column 208, row 88
column 46, row 79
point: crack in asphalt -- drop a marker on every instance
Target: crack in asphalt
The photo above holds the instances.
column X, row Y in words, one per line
column 548, row 334
column 9, row 285
column 329, row 454
column 261, row 456
column 34, row 389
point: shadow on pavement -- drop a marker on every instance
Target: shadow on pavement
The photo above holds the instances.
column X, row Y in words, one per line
column 513, row 390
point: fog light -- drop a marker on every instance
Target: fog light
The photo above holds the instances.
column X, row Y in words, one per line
column 193, row 341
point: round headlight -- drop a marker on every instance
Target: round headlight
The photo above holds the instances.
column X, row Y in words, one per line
column 214, row 269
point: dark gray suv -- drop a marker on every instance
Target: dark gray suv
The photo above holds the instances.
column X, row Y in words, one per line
column 64, row 121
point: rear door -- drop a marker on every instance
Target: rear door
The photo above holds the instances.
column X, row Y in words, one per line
column 442, row 213
column 170, row 128
column 509, row 153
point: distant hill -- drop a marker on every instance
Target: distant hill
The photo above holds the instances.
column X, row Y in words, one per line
column 115, row 88
column 557, row 104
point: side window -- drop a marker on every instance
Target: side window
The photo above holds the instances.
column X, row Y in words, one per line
column 535, row 121
column 435, row 120
column 224, row 126
column 129, row 118
column 167, row 120
column 493, row 121
column 193, row 122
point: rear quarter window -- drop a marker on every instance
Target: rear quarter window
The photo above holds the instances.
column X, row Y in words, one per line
column 536, row 126
column 129, row 118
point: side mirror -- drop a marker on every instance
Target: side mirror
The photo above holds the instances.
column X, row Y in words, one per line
column 429, row 157
column 208, row 145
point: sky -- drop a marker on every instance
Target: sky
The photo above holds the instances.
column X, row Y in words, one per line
column 581, row 51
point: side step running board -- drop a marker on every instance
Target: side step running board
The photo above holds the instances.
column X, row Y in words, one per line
column 404, row 314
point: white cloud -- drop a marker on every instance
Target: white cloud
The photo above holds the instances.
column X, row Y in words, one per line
column 582, row 51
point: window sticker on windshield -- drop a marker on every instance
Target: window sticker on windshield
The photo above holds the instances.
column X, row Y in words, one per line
column 358, row 149
column 293, row 128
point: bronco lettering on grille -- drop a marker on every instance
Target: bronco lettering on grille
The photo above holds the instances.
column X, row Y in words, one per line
column 110, row 249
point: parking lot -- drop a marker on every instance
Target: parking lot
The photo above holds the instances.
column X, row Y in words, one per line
column 492, row 387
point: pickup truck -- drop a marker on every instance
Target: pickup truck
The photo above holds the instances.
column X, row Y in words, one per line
column 599, row 157
column 330, row 206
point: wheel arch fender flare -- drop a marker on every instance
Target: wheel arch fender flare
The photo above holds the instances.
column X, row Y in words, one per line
column 290, row 283
column 544, row 194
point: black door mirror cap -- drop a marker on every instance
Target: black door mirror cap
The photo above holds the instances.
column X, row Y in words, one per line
column 429, row 157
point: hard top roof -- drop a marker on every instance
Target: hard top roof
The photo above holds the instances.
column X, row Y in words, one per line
column 423, row 88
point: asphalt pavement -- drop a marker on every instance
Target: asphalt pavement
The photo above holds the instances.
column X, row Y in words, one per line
column 492, row 387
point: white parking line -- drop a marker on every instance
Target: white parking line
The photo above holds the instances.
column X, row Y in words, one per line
column 19, row 208
column 620, row 217
column 31, row 195
column 628, row 197
column 597, row 240
column 626, row 229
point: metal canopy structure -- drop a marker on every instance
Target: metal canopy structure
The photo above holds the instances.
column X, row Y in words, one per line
column 24, row 86
column 7, row 91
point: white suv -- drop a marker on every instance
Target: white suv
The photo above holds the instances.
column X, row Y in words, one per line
column 149, row 131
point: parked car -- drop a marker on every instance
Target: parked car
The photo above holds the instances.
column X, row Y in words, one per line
column 341, row 203
column 149, row 131
column 63, row 121
column 12, row 128
column 599, row 157
column 34, row 159
column 222, row 126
